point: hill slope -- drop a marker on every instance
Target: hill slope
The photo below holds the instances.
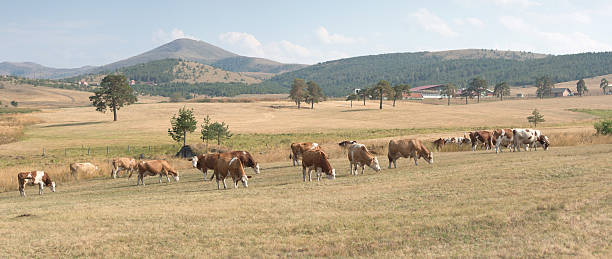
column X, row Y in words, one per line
column 186, row 49
column 339, row 77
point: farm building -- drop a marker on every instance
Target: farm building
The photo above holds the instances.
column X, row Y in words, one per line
column 428, row 91
column 412, row 96
column 559, row 92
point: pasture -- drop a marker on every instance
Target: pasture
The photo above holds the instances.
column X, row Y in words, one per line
column 537, row 204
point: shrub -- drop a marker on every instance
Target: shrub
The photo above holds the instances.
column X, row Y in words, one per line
column 14, row 103
column 603, row 127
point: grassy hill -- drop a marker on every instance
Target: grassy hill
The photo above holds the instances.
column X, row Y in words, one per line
column 339, row 77
column 33, row 70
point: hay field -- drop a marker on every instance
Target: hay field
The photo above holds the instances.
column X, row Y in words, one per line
column 147, row 124
column 554, row 203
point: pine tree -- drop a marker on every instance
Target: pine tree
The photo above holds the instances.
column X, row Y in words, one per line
column 298, row 93
column 535, row 118
column 181, row 124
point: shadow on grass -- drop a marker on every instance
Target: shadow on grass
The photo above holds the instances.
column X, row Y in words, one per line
column 74, row 124
column 359, row 110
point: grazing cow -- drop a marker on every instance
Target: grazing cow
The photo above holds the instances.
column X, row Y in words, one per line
column 439, row 143
column 481, row 137
column 232, row 166
column 208, row 161
column 79, row 168
column 344, row 145
column 462, row 140
column 503, row 137
column 529, row 138
column 155, row 167
column 359, row 155
column 317, row 160
column 450, row 140
column 408, row 148
column 297, row 149
column 123, row 163
column 35, row 177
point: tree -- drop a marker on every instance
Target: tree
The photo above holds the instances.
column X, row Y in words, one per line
column 398, row 92
column 535, row 118
column 114, row 93
column 449, row 90
column 352, row 97
column 581, row 87
column 297, row 92
column 604, row 85
column 221, row 131
column 544, row 86
column 14, row 103
column 477, row 86
column 181, row 124
column 381, row 88
column 501, row 89
column 206, row 132
column 314, row 93
column 467, row 92
column 364, row 93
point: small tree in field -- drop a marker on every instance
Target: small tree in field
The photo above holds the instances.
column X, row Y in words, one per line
column 364, row 93
column 581, row 87
column 14, row 103
column 477, row 85
column 604, row 85
column 114, row 93
column 351, row 98
column 382, row 88
column 501, row 89
column 398, row 92
column 220, row 131
column 535, row 118
column 181, row 124
column 314, row 94
column 544, row 86
column 298, row 91
column 449, row 90
column 206, row 132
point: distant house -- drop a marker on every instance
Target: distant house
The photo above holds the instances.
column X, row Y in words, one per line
column 412, row 96
column 559, row 92
column 428, row 91
column 520, row 95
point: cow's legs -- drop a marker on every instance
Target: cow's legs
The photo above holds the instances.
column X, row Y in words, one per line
column 416, row 158
column 318, row 174
column 40, row 188
column 309, row 175
column 218, row 187
column 115, row 172
column 362, row 168
column 304, row 173
column 160, row 177
column 224, row 185
column 22, row 189
column 204, row 172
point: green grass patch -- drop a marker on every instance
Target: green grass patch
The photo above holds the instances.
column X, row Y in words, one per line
column 601, row 113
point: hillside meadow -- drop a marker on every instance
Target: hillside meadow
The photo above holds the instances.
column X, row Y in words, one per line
column 554, row 203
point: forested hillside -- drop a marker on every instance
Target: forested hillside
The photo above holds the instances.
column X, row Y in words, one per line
column 339, row 77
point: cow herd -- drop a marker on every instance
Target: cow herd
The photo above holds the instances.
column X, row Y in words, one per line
column 312, row 156
column 513, row 139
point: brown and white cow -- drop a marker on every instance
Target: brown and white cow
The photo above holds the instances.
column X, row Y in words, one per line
column 503, row 137
column 82, row 168
column 39, row 178
column 481, row 137
column 123, row 163
column 529, row 138
column 230, row 166
column 359, row 155
column 155, row 167
column 297, row 149
column 316, row 160
column 208, row 161
column 408, row 148
column 439, row 143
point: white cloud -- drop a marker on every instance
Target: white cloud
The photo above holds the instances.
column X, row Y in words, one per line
column 327, row 38
column 431, row 22
column 161, row 36
column 514, row 23
column 470, row 21
column 521, row 3
column 244, row 41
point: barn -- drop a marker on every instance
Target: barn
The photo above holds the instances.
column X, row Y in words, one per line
column 559, row 92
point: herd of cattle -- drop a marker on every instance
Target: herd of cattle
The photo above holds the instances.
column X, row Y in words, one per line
column 231, row 164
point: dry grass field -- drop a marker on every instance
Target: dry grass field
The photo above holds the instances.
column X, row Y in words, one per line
column 554, row 203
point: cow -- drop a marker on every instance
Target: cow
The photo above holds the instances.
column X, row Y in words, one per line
column 232, row 166
column 123, row 163
column 155, row 167
column 297, row 149
column 208, row 161
column 542, row 141
column 344, row 145
column 529, row 138
column 78, row 168
column 408, row 148
column 34, row 177
column 481, row 137
column 359, row 155
column 439, row 143
column 462, row 140
column 503, row 137
column 316, row 159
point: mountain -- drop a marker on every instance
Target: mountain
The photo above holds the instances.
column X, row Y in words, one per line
column 186, row 49
column 340, row 77
column 33, row 70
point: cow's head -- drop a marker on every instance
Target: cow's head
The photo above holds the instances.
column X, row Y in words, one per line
column 245, row 181
column 332, row 175
column 53, row 186
column 544, row 141
column 256, row 168
column 347, row 143
column 374, row 164
column 429, row 157
column 194, row 161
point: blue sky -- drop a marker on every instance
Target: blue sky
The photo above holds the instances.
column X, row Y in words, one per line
column 77, row 33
